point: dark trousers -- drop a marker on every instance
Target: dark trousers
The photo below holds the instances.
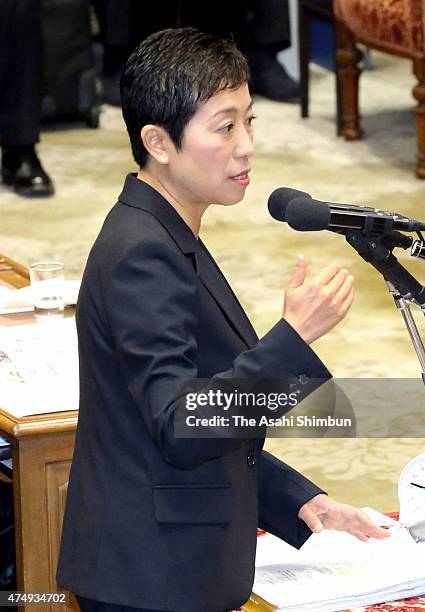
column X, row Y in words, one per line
column 270, row 25
column 20, row 71
column 254, row 24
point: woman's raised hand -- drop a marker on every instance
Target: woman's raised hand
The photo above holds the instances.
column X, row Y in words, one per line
column 315, row 306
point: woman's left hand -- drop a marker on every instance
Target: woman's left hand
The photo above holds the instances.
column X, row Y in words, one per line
column 322, row 512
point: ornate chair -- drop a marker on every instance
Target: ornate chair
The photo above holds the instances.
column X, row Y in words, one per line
column 393, row 26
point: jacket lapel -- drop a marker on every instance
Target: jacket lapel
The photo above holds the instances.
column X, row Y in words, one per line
column 138, row 194
column 215, row 282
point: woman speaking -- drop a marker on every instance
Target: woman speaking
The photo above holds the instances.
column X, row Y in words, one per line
column 155, row 521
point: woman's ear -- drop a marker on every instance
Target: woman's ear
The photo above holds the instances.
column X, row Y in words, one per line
column 155, row 140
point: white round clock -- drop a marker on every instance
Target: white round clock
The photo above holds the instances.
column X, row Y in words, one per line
column 411, row 491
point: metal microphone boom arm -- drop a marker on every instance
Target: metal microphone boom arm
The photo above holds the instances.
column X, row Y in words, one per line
column 401, row 284
column 371, row 249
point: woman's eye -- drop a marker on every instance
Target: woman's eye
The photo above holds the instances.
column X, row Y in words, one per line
column 251, row 119
column 226, row 128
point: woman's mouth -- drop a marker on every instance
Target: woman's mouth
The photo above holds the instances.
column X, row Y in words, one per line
column 241, row 179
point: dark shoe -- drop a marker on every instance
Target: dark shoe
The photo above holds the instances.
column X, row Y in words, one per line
column 22, row 169
column 270, row 79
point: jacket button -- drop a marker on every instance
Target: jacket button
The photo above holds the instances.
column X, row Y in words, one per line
column 250, row 458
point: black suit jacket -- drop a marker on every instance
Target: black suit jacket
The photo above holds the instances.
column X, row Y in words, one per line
column 153, row 521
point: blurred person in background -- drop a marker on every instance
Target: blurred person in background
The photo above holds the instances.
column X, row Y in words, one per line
column 21, row 55
column 260, row 28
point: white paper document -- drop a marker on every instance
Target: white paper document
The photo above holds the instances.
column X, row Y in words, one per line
column 335, row 571
column 21, row 300
column 39, row 367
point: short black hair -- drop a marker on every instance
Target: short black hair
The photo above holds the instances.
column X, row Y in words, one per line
column 169, row 75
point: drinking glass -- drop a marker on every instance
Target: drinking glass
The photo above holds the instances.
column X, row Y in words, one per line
column 47, row 282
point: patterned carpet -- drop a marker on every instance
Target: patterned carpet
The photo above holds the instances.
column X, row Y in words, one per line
column 257, row 253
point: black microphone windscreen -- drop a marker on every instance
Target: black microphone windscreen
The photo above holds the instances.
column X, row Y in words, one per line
column 279, row 200
column 307, row 215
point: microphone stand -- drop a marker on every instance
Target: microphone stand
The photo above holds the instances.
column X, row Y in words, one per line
column 403, row 287
column 404, row 307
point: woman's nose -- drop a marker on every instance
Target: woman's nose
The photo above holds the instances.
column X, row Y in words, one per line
column 245, row 145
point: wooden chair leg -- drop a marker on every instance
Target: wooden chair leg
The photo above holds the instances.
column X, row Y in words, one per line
column 348, row 71
column 304, row 55
column 419, row 95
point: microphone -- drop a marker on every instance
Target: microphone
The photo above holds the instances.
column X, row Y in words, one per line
column 305, row 214
column 279, row 200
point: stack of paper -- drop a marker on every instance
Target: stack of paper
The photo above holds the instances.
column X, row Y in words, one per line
column 39, row 367
column 335, row 571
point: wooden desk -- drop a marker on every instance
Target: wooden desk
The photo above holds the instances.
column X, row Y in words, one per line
column 13, row 273
column 42, row 448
